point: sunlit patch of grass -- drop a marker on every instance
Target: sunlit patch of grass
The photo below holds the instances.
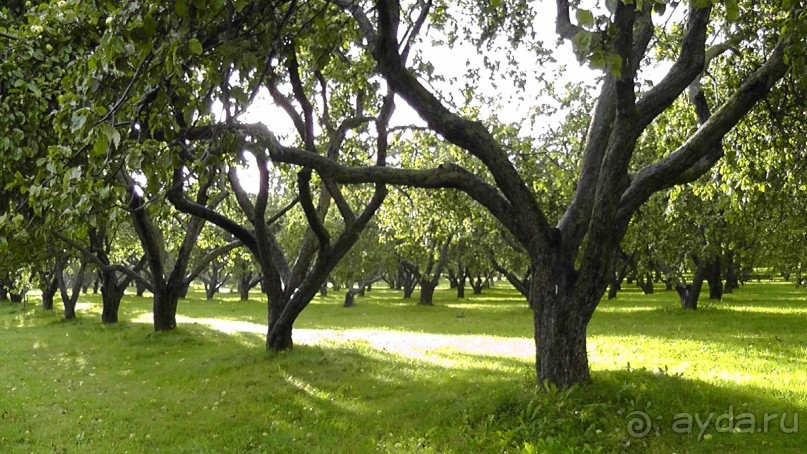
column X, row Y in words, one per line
column 626, row 309
column 390, row 376
column 786, row 310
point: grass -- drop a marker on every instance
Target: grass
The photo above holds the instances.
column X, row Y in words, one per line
column 390, row 376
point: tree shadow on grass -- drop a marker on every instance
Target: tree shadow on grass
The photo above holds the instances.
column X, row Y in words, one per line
column 198, row 389
column 407, row 404
column 674, row 414
column 487, row 404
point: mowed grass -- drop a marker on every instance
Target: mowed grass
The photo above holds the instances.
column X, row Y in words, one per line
column 390, row 376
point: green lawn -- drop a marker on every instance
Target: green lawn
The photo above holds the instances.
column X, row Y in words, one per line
column 389, row 376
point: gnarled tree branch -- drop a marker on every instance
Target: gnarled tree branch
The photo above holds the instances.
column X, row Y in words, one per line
column 687, row 159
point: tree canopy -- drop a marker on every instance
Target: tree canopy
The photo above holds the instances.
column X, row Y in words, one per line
column 149, row 109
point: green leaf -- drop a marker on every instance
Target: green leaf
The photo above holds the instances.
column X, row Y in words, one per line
column 323, row 59
column 732, row 10
column 240, row 5
column 77, row 121
column 101, row 145
column 111, row 134
column 181, row 8
column 585, row 18
column 34, row 89
column 195, row 46
column 614, row 64
column 149, row 26
column 597, row 60
column 581, row 42
column 74, row 174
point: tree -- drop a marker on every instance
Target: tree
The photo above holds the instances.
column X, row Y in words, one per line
column 243, row 270
column 106, row 246
column 723, row 222
column 47, row 175
column 170, row 281
column 214, row 277
column 296, row 73
column 571, row 260
column 368, row 262
column 421, row 228
column 134, row 91
column 48, row 284
column 70, row 279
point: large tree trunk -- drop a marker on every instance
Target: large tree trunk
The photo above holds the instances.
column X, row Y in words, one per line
column 461, row 285
column 111, row 298
column 278, row 337
column 69, row 296
column 690, row 293
column 350, row 297
column 139, row 289
column 732, row 281
column 48, row 292
column 431, row 274
column 245, row 284
column 614, row 288
column 713, row 276
column 49, row 284
column 111, row 294
column 165, row 308
column 408, row 289
column 477, row 284
column 243, row 287
column 452, row 279
column 407, row 278
column 182, row 291
column 646, row 283
column 111, row 288
column 210, row 291
column 168, row 284
column 560, row 322
column 69, row 309
column 426, row 292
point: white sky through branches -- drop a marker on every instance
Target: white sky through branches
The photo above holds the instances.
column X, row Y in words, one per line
column 452, row 66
